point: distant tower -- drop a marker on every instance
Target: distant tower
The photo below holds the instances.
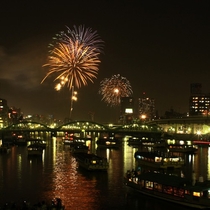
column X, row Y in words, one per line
column 199, row 103
column 146, row 108
column 127, row 109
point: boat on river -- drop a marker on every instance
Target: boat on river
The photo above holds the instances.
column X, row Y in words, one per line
column 21, row 140
column 74, row 140
column 35, row 149
column 170, row 188
column 38, row 142
column 79, row 148
column 108, row 142
column 92, row 162
column 182, row 148
column 158, row 160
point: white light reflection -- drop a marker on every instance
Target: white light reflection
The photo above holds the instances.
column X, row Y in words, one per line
column 129, row 161
column 54, row 149
column 43, row 155
column 190, row 158
column 108, row 154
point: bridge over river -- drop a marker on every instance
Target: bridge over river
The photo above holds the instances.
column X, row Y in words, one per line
column 184, row 126
column 82, row 128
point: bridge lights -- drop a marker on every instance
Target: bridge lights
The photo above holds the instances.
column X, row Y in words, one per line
column 199, row 134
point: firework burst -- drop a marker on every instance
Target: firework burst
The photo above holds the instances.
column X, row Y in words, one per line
column 74, row 58
column 114, row 88
column 84, row 36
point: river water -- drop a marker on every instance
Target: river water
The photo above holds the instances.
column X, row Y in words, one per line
column 56, row 174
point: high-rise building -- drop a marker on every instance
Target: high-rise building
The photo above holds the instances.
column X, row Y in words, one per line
column 3, row 113
column 126, row 109
column 14, row 115
column 199, row 103
column 146, row 108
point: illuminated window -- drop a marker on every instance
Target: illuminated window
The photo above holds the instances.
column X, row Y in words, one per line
column 149, row 185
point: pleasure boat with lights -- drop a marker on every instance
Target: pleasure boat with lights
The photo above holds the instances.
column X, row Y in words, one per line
column 108, row 142
column 21, row 140
column 170, row 188
column 79, row 148
column 182, row 148
column 35, row 149
column 92, row 162
column 158, row 160
column 38, row 141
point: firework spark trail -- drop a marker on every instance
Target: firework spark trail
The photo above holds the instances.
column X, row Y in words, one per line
column 74, row 57
column 114, row 88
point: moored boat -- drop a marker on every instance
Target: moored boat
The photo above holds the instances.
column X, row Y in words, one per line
column 35, row 149
column 108, row 142
column 170, row 188
column 92, row 162
column 38, row 142
column 79, row 148
column 67, row 141
column 182, row 148
column 21, row 140
column 75, row 140
column 156, row 160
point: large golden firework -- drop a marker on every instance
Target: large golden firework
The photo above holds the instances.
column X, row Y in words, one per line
column 114, row 88
column 74, row 58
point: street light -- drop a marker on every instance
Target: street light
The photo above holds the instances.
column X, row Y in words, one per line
column 73, row 98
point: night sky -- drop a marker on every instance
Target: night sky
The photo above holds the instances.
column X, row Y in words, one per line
column 161, row 47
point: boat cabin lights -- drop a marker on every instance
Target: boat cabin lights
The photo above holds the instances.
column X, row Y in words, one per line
column 176, row 159
column 158, row 159
column 138, row 157
column 109, row 143
column 171, row 159
column 197, row 194
column 94, row 162
column 181, row 142
column 32, row 148
column 149, row 185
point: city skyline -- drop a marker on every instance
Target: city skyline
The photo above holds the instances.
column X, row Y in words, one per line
column 161, row 48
